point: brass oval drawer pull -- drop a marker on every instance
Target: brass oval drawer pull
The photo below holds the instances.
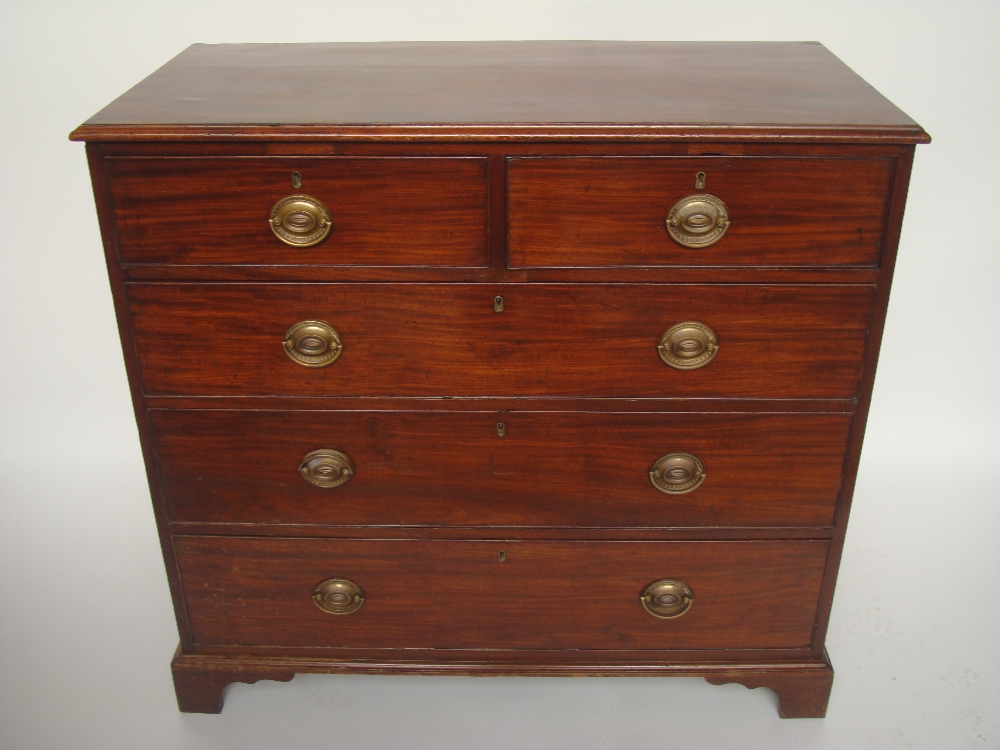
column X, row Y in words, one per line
column 688, row 345
column 667, row 598
column 698, row 220
column 326, row 468
column 313, row 343
column 677, row 473
column 300, row 221
column 338, row 596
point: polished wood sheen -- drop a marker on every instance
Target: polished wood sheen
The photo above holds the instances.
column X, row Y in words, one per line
column 441, row 418
column 385, row 212
column 603, row 211
column 721, row 90
column 545, row 595
column 549, row 469
column 551, row 340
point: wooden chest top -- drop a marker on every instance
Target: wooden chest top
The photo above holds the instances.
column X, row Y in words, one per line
column 719, row 90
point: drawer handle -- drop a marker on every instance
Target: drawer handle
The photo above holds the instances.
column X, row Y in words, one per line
column 326, row 468
column 667, row 598
column 688, row 345
column 677, row 473
column 698, row 220
column 313, row 343
column 338, row 596
column 300, row 221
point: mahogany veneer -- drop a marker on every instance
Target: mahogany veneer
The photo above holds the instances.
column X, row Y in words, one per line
column 549, row 470
column 488, row 493
column 551, row 340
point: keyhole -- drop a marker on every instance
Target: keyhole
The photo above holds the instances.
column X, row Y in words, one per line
column 501, row 556
column 501, row 429
column 296, row 180
column 498, row 304
column 699, row 181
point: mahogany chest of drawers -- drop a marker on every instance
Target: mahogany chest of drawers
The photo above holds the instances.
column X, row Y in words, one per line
column 502, row 358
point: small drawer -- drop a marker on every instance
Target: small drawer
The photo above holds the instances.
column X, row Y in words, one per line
column 515, row 469
column 423, row 594
column 384, row 211
column 600, row 340
column 776, row 211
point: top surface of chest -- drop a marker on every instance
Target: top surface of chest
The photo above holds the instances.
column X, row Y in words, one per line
column 719, row 90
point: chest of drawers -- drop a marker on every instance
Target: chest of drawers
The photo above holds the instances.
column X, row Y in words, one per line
column 502, row 358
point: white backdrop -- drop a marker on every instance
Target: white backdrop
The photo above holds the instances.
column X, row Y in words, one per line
column 86, row 629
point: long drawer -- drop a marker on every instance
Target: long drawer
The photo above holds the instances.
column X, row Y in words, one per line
column 773, row 341
column 466, row 594
column 384, row 211
column 612, row 211
column 501, row 469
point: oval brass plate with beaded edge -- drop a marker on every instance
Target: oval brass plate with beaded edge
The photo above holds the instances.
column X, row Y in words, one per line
column 688, row 345
column 677, row 473
column 326, row 468
column 667, row 598
column 698, row 221
column 300, row 221
column 338, row 596
column 313, row 343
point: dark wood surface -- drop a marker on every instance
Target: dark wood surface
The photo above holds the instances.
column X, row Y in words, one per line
column 549, row 469
column 446, row 340
column 852, row 458
column 802, row 687
column 385, row 211
column 565, row 595
column 814, row 166
column 802, row 693
column 605, row 211
column 460, row 89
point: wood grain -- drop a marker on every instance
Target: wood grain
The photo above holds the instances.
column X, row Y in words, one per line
column 385, row 211
column 409, row 145
column 489, row 90
column 566, row 595
column 550, row 469
column 802, row 686
column 606, row 211
column 446, row 340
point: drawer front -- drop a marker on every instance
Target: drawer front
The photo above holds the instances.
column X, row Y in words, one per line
column 453, row 469
column 777, row 341
column 611, row 211
column 457, row 594
column 383, row 211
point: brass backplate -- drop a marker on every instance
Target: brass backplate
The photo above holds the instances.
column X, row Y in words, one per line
column 326, row 468
column 667, row 598
column 338, row 596
column 300, row 220
column 677, row 473
column 313, row 343
column 688, row 345
column 698, row 220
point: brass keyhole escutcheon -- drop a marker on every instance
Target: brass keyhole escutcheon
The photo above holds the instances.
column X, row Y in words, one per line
column 688, row 345
column 338, row 596
column 326, row 468
column 667, row 598
column 677, row 473
column 300, row 220
column 296, row 180
column 313, row 343
column 498, row 304
column 501, row 429
column 698, row 220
